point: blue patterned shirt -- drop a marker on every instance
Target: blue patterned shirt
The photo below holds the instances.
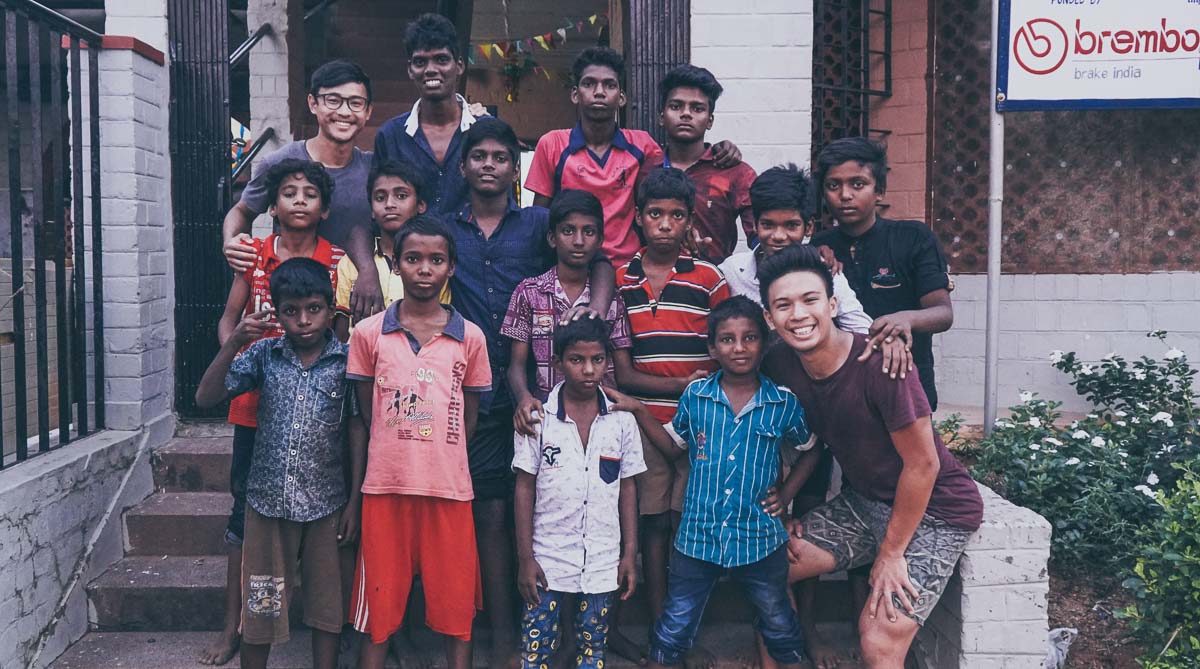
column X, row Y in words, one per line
column 297, row 471
column 735, row 459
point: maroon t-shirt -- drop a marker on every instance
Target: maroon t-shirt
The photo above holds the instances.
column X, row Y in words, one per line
column 854, row 410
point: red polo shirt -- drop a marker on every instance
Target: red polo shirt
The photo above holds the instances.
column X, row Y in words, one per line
column 562, row 160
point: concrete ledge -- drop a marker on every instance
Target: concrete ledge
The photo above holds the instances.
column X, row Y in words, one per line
column 993, row 613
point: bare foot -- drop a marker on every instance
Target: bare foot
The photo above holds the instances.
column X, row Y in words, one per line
column 404, row 648
column 222, row 650
column 699, row 658
column 821, row 654
column 621, row 645
column 349, row 647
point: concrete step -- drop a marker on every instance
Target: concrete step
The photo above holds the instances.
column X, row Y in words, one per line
column 732, row 645
column 159, row 593
column 193, row 464
column 178, row 523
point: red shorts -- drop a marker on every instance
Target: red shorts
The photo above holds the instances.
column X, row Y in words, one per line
column 404, row 536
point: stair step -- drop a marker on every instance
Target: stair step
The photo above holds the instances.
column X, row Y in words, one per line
column 193, row 464
column 159, row 593
column 179, row 523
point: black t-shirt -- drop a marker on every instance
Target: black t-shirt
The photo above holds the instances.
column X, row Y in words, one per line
column 890, row 268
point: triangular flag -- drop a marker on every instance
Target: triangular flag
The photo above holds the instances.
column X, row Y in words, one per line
column 499, row 50
column 562, row 33
column 579, row 26
column 592, row 19
column 486, row 50
column 541, row 39
column 517, row 46
column 470, row 58
column 546, row 72
column 567, row 24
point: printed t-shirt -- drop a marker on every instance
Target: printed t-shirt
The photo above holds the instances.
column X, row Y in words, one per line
column 854, row 410
column 562, row 160
column 243, row 409
column 418, row 444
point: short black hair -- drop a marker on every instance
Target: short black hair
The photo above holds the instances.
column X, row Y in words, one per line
column 738, row 306
column 338, row 72
column 858, row 149
column 401, row 169
column 490, row 127
column 429, row 32
column 598, row 55
column 690, row 76
column 783, row 187
column 573, row 201
column 582, row 330
column 667, row 183
column 298, row 278
column 795, row 258
column 313, row 171
column 429, row 226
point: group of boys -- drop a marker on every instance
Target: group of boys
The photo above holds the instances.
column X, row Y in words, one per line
column 481, row 395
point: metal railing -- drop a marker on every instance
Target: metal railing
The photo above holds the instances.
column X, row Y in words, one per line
column 44, row 123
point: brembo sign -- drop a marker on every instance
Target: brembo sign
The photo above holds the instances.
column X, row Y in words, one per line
column 1077, row 54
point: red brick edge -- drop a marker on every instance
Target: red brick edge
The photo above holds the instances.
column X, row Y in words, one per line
column 121, row 42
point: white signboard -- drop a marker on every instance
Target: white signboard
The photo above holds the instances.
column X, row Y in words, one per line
column 1098, row 54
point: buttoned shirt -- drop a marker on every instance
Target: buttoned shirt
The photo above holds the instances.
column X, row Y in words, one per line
column 297, row 471
column 576, row 519
column 741, row 271
column 402, row 139
column 536, row 307
column 735, row 459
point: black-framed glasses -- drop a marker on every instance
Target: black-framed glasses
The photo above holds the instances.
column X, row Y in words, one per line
column 334, row 101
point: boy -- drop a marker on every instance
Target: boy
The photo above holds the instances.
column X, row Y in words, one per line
column 294, row 528
column 576, row 503
column 299, row 193
column 896, row 268
column 419, row 369
column 687, row 99
column 576, row 233
column 397, row 192
column 668, row 295
column 499, row 245
column 339, row 96
column 430, row 135
column 908, row 504
column 733, row 424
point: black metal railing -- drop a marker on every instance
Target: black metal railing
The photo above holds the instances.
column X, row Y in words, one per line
column 44, row 125
column 239, row 54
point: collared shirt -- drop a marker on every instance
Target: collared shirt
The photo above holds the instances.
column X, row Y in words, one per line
column 576, row 517
column 488, row 271
column 243, row 409
column 536, row 306
column 297, row 471
column 418, row 442
column 741, row 271
column 722, row 196
column 402, row 139
column 389, row 280
column 734, row 459
column 670, row 331
column 562, row 160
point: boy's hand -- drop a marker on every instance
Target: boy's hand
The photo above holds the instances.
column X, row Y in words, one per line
column 579, row 311
column 726, row 154
column 694, row 243
column 239, row 253
column 771, row 504
column 888, row 332
column 621, row 401
column 626, row 576
column 695, row 376
column 531, row 579
column 252, row 327
column 528, row 416
column 795, row 536
column 830, row 259
column 366, row 299
column 897, row 357
column 349, row 523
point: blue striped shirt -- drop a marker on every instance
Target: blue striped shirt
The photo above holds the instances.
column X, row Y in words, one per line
column 735, row 459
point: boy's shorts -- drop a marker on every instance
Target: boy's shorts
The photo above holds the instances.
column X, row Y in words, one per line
column 404, row 536
column 662, row 486
column 239, row 471
column 490, row 455
column 280, row 556
column 850, row 527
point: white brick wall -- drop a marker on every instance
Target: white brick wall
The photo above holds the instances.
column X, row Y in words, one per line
column 143, row 19
column 1090, row 314
column 269, row 71
column 761, row 51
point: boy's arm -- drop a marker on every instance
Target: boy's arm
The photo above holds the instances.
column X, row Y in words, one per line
column 778, row 498
column 726, row 154
column 935, row 315
column 654, row 430
column 235, row 237
column 470, row 413
column 367, row 296
column 356, row 439
column 235, row 304
column 364, row 390
column 627, row 509
column 524, row 419
column 212, row 389
column 632, row 380
column 530, row 577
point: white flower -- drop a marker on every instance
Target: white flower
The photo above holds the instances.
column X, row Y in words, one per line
column 1085, row 370
column 1145, row 490
column 1035, row 447
column 1122, row 454
column 1093, row 416
column 1119, row 414
column 1072, row 461
column 1080, row 434
column 1025, row 396
column 1139, row 375
column 1109, row 356
column 1002, row 423
column 1097, row 441
column 1162, row 417
column 1173, row 354
column 1035, row 422
column 1033, row 456
column 1074, row 424
column 1152, row 479
column 1052, row 440
column 1121, row 423
column 1056, row 357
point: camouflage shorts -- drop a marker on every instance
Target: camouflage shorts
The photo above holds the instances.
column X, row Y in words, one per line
column 850, row 527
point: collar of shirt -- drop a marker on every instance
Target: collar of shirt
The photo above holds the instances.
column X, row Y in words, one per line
column 706, row 157
column 767, row 393
column 455, row 329
column 554, row 404
column 683, row 264
column 466, row 215
column 333, row 347
column 380, row 254
column 412, row 124
column 548, row 284
column 578, row 142
column 268, row 259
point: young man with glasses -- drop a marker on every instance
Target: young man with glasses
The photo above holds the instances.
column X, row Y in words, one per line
column 339, row 96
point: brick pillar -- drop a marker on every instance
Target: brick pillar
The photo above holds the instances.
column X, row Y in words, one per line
column 144, row 19
column 276, row 66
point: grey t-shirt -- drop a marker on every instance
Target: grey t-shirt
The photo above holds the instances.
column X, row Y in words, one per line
column 349, row 205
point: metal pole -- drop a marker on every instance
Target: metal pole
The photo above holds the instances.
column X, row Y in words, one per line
column 995, row 209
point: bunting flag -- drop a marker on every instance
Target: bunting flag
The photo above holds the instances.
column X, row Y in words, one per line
column 548, row 41
column 541, row 39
